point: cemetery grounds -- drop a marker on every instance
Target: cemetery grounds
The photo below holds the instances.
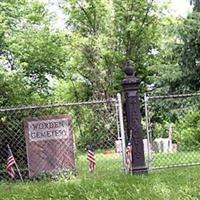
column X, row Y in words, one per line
column 109, row 180
column 176, row 183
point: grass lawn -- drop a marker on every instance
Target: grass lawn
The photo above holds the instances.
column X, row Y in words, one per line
column 113, row 162
column 178, row 158
column 106, row 164
column 179, row 183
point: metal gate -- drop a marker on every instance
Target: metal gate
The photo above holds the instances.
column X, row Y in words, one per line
column 173, row 130
column 98, row 123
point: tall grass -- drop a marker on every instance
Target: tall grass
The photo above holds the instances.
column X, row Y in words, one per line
column 108, row 182
column 177, row 184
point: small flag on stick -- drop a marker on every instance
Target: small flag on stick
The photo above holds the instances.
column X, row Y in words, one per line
column 91, row 158
column 10, row 163
column 129, row 156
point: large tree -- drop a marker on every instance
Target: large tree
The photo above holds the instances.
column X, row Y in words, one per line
column 105, row 34
column 29, row 50
column 189, row 50
column 177, row 69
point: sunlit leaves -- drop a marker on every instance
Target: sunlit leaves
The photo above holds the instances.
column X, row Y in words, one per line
column 189, row 50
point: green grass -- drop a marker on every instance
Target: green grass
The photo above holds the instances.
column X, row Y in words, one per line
column 106, row 165
column 178, row 158
column 109, row 183
column 177, row 184
column 113, row 163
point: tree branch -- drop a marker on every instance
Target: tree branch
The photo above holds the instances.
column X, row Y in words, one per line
column 87, row 16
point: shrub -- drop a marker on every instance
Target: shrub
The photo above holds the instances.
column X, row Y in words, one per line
column 187, row 130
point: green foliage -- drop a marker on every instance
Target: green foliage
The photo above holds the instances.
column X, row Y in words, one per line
column 196, row 4
column 164, row 72
column 92, row 61
column 187, row 130
column 59, row 175
column 161, row 130
column 86, row 60
column 14, row 90
column 91, row 126
column 89, row 54
column 39, row 54
column 176, row 64
column 183, row 113
column 104, row 35
column 189, row 50
column 15, row 16
column 31, row 54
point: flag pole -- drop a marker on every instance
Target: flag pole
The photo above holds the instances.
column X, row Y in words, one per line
column 131, row 139
column 15, row 163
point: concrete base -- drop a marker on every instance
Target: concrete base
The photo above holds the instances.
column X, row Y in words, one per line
column 140, row 170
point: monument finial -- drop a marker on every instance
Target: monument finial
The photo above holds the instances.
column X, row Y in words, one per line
column 129, row 71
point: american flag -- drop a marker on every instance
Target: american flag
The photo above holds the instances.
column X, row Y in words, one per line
column 10, row 162
column 91, row 158
column 129, row 156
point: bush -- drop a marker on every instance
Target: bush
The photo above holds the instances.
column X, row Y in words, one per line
column 62, row 174
column 187, row 130
column 161, row 130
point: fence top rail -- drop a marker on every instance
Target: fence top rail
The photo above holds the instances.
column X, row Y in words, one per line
column 175, row 96
column 111, row 100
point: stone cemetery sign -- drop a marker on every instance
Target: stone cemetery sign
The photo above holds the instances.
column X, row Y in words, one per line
column 49, row 144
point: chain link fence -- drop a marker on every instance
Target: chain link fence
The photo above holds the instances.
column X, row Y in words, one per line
column 55, row 138
column 173, row 130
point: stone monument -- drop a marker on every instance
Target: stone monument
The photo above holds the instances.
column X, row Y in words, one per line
column 49, row 144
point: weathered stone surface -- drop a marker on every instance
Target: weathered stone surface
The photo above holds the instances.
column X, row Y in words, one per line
column 49, row 144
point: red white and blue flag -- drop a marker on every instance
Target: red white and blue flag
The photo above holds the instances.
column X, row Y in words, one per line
column 129, row 156
column 91, row 158
column 10, row 163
